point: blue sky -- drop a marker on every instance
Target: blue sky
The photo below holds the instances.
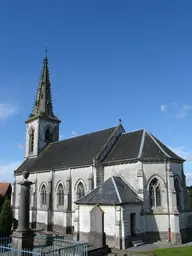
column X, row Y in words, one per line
column 107, row 59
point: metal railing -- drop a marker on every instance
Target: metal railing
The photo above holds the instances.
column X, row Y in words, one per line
column 45, row 246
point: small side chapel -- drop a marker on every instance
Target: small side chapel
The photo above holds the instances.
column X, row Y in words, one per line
column 136, row 181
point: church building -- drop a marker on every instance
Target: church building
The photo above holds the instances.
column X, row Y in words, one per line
column 137, row 182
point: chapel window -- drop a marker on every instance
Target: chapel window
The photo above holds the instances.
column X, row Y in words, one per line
column 60, row 195
column 31, row 140
column 178, row 192
column 80, row 190
column 155, row 193
column 43, row 195
column 48, row 135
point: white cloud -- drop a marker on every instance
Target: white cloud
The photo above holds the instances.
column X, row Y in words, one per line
column 188, row 175
column 7, row 110
column 180, row 151
column 20, row 146
column 61, row 136
column 74, row 134
column 183, row 111
column 163, row 108
column 7, row 170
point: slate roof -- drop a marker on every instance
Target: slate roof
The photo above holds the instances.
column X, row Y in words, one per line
column 140, row 145
column 80, row 151
column 73, row 152
column 113, row 191
column 43, row 102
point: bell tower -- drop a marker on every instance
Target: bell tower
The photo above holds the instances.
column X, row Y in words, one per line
column 42, row 126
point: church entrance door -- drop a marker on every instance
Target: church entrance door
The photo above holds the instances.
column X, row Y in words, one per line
column 132, row 224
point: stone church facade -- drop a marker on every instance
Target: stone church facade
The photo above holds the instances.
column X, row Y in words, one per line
column 137, row 181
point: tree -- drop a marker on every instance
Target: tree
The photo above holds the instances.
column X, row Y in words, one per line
column 190, row 195
column 6, row 218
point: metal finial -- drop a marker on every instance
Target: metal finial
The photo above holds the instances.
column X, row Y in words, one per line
column 46, row 51
column 120, row 120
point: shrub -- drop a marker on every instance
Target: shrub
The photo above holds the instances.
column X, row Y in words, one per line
column 6, row 218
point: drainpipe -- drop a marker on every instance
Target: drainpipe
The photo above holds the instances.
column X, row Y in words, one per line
column 168, row 208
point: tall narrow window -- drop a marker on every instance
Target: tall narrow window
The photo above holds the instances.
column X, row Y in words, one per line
column 43, row 195
column 60, row 195
column 178, row 192
column 80, row 190
column 31, row 140
column 155, row 193
column 48, row 135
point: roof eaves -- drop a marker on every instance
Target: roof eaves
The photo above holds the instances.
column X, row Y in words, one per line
column 120, row 161
column 62, row 167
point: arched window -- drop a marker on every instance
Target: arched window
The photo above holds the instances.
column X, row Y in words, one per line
column 178, row 192
column 31, row 140
column 48, row 134
column 155, row 193
column 80, row 190
column 60, row 195
column 43, row 195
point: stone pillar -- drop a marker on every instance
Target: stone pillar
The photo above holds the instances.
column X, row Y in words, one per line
column 49, row 205
column 33, row 208
column 118, row 238
column 90, row 183
column 23, row 237
column 69, row 197
column 140, row 190
column 13, row 198
column 76, row 224
column 171, row 193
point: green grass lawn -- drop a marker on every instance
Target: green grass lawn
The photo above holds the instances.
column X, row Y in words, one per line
column 181, row 251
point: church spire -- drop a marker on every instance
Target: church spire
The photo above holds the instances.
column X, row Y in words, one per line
column 43, row 101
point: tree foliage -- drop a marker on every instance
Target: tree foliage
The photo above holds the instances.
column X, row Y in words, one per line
column 190, row 195
column 6, row 218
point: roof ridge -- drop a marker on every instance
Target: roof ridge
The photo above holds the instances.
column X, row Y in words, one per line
column 142, row 144
column 128, row 184
column 89, row 133
column 109, row 138
column 117, row 192
column 158, row 144
column 133, row 131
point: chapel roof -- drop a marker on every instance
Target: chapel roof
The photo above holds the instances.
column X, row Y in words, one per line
column 113, row 191
column 140, row 145
column 80, row 151
column 73, row 152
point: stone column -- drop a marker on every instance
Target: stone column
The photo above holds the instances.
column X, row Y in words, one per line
column 90, row 183
column 13, row 198
column 118, row 237
column 13, row 195
column 49, row 205
column 69, row 192
column 23, row 237
column 76, row 224
column 140, row 190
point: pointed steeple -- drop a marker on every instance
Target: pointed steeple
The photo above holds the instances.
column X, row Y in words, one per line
column 43, row 101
